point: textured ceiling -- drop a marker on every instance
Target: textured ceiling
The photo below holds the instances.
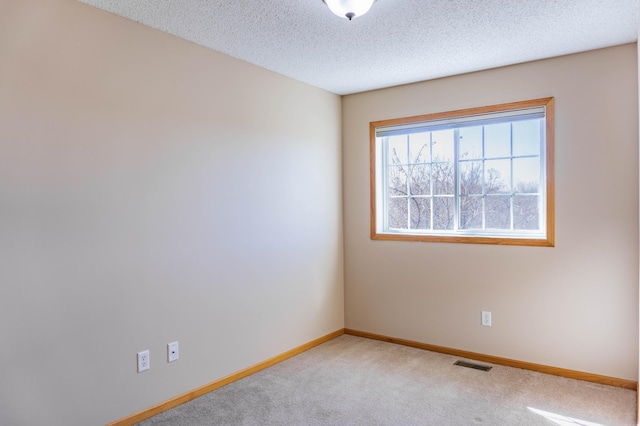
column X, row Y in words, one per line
column 397, row 42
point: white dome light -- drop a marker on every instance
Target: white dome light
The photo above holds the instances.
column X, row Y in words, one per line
column 349, row 8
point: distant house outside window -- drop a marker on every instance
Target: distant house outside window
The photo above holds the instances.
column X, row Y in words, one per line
column 480, row 175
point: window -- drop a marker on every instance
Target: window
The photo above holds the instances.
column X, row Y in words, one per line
column 481, row 175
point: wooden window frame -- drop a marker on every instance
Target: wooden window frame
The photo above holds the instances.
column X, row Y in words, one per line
column 548, row 241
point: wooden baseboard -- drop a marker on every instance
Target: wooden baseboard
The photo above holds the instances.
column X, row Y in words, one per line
column 572, row 374
column 188, row 396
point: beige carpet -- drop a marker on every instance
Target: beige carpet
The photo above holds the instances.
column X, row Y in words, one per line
column 356, row 381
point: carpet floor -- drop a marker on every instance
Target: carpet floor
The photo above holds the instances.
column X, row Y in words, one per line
column 355, row 381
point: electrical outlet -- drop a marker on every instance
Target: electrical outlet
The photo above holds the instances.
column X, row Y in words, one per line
column 486, row 318
column 144, row 361
column 172, row 352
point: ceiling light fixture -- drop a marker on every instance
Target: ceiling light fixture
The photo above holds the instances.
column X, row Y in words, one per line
column 349, row 8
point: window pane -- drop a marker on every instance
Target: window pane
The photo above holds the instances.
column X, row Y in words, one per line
column 443, row 213
column 398, row 180
column 443, row 178
column 470, row 142
column 526, row 137
column 497, row 177
column 398, row 213
column 526, row 175
column 420, row 213
column 470, row 213
column 526, row 212
column 443, row 145
column 471, row 177
column 419, row 148
column 420, row 180
column 497, row 140
column 498, row 212
column 475, row 175
column 398, row 149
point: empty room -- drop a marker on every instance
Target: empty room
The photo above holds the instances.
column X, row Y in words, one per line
column 296, row 212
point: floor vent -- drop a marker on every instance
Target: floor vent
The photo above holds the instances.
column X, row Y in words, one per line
column 472, row 365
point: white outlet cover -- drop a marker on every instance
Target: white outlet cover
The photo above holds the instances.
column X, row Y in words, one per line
column 173, row 352
column 486, row 318
column 144, row 361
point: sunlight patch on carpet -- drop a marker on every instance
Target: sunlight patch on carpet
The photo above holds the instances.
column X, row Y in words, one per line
column 562, row 420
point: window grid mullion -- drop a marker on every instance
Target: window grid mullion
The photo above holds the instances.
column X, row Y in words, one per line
column 456, row 180
column 408, row 185
column 542, row 186
column 385, row 180
column 484, row 187
column 431, row 199
column 511, row 189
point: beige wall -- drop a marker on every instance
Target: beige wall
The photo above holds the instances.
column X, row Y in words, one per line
column 573, row 306
column 152, row 190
